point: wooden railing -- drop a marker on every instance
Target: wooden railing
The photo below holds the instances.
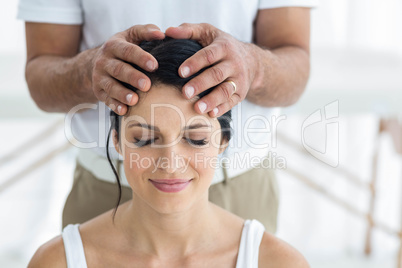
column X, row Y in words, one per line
column 391, row 127
column 42, row 136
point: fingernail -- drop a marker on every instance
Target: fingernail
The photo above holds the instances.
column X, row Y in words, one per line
column 129, row 97
column 189, row 91
column 119, row 109
column 202, row 106
column 150, row 65
column 141, row 83
column 215, row 111
column 185, row 71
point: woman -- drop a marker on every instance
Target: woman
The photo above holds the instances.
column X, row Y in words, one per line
column 169, row 154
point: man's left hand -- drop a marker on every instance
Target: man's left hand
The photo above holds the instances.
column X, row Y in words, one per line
column 232, row 67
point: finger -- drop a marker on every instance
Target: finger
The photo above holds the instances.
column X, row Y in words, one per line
column 113, row 104
column 221, row 94
column 202, row 32
column 207, row 79
column 126, row 73
column 139, row 33
column 117, row 91
column 205, row 57
column 226, row 106
column 184, row 31
column 132, row 53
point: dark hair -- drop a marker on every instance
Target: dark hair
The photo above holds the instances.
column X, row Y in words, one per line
column 170, row 54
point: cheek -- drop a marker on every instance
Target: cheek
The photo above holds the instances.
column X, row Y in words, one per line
column 137, row 162
column 204, row 162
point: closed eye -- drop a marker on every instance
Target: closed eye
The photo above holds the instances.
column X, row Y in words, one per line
column 141, row 143
column 197, row 142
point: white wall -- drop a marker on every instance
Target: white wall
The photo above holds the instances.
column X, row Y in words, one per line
column 356, row 59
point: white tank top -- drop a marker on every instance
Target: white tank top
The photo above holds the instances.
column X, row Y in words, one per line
column 250, row 242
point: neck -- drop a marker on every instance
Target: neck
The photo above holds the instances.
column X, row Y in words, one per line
column 167, row 235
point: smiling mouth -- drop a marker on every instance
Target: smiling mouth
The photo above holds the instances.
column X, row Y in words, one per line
column 170, row 185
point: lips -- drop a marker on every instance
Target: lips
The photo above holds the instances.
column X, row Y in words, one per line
column 170, row 185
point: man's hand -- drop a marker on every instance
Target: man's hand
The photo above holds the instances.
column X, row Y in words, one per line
column 110, row 66
column 228, row 59
column 271, row 72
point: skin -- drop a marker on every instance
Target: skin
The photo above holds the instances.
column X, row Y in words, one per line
column 157, row 229
column 271, row 71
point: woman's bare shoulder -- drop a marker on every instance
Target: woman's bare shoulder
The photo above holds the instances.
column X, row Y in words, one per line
column 50, row 254
column 278, row 254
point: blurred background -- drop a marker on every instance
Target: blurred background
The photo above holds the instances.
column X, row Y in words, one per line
column 341, row 186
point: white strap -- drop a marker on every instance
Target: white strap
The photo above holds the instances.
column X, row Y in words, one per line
column 73, row 247
column 250, row 242
column 248, row 250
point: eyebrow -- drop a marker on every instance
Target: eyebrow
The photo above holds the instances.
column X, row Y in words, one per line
column 154, row 128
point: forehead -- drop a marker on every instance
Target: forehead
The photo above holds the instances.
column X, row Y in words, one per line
column 164, row 105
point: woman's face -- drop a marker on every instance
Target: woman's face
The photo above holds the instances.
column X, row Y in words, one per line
column 170, row 151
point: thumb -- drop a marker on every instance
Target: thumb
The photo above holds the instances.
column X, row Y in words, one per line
column 202, row 32
column 139, row 33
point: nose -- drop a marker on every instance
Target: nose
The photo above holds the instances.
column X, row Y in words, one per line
column 170, row 160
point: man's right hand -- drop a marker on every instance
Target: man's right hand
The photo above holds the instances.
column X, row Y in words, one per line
column 110, row 66
column 59, row 77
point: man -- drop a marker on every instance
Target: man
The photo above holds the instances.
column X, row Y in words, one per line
column 258, row 57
